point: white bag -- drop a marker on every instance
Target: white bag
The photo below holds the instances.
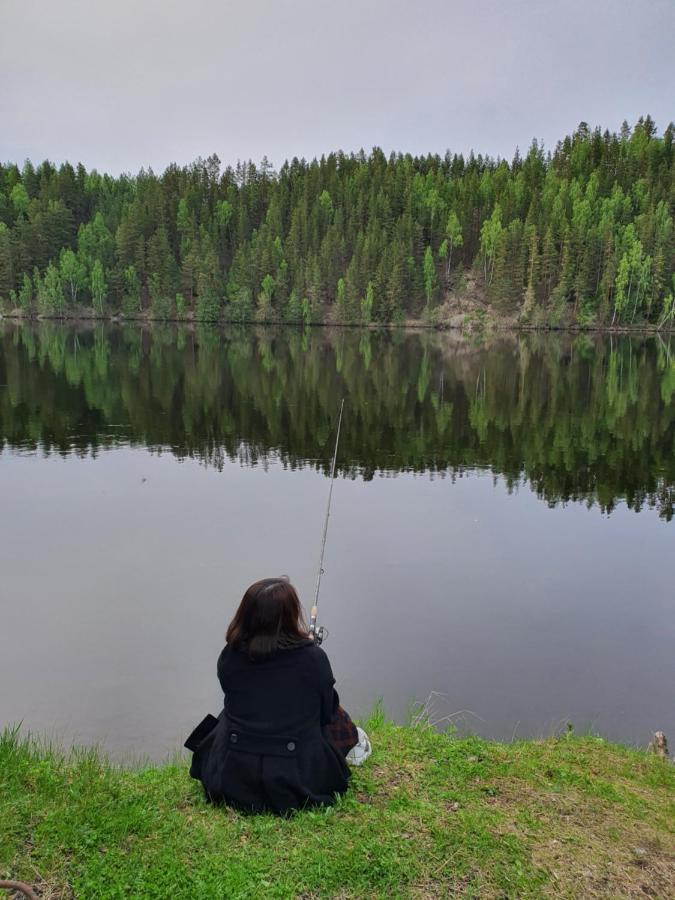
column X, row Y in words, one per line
column 360, row 753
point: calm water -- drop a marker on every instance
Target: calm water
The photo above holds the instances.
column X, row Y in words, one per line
column 501, row 530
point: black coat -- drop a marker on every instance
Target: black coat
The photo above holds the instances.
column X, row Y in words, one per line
column 267, row 750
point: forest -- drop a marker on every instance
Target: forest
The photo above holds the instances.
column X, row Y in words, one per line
column 582, row 236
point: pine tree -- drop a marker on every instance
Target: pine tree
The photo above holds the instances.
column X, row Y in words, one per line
column 429, row 270
column 131, row 302
column 6, row 266
column 533, row 265
column 341, row 301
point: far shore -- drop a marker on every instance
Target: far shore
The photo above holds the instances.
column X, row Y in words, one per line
column 468, row 324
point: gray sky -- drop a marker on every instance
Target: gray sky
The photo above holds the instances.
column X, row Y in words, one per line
column 131, row 83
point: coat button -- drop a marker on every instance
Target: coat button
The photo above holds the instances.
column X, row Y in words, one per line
column 233, row 738
column 290, row 745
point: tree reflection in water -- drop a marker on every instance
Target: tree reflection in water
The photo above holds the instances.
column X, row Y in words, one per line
column 584, row 418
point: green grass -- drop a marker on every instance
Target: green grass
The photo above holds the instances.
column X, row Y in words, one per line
column 428, row 816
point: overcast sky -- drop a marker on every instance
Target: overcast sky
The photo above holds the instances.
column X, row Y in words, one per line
column 130, row 83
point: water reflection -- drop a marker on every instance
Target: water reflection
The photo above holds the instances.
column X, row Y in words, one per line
column 579, row 418
column 122, row 569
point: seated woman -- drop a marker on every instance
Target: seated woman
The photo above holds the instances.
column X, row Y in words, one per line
column 281, row 740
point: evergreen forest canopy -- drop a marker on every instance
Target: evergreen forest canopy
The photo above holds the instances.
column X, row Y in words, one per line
column 583, row 235
column 586, row 419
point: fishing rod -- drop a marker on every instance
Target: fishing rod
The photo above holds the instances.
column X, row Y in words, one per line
column 317, row 634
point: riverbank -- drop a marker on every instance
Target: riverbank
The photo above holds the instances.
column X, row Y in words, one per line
column 428, row 816
column 465, row 308
column 467, row 323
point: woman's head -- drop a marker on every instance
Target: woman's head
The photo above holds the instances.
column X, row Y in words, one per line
column 269, row 618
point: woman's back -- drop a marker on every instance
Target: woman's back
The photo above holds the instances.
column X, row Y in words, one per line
column 268, row 750
column 290, row 691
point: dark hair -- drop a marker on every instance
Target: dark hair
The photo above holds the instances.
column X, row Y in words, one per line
column 269, row 618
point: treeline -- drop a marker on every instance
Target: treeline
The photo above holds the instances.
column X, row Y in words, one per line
column 583, row 234
column 581, row 419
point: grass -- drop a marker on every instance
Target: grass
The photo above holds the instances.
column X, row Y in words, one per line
column 429, row 815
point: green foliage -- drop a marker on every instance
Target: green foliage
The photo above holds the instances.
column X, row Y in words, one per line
column 25, row 296
column 490, row 234
column 224, row 212
column 131, row 297
column 6, row 263
column 367, row 305
column 429, row 272
column 19, row 198
column 95, row 242
column 633, row 279
column 240, row 307
column 183, row 216
column 341, row 301
column 586, row 316
column 326, row 204
column 73, row 274
column 584, row 232
column 49, row 289
column 98, row 285
column 181, row 306
column 453, row 230
column 268, row 287
column 207, row 308
column 264, row 311
column 668, row 315
column 453, row 240
column 162, row 304
column 293, row 311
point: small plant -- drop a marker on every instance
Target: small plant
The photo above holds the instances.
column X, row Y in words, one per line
column 207, row 308
column 367, row 305
column 162, row 305
column 586, row 316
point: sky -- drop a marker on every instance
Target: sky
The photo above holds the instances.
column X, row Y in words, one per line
column 143, row 83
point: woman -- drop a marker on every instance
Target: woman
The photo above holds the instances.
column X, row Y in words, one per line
column 270, row 748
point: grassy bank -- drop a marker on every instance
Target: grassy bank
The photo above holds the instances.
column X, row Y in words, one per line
column 428, row 816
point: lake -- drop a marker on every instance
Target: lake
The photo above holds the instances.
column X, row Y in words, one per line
column 501, row 536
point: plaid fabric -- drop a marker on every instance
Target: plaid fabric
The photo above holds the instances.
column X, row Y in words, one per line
column 341, row 731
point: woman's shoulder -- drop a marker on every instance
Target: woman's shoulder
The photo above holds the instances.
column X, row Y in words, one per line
column 316, row 656
column 305, row 654
column 310, row 649
column 305, row 650
column 229, row 657
column 223, row 656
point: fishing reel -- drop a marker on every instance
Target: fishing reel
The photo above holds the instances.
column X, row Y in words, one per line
column 319, row 634
column 316, row 632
